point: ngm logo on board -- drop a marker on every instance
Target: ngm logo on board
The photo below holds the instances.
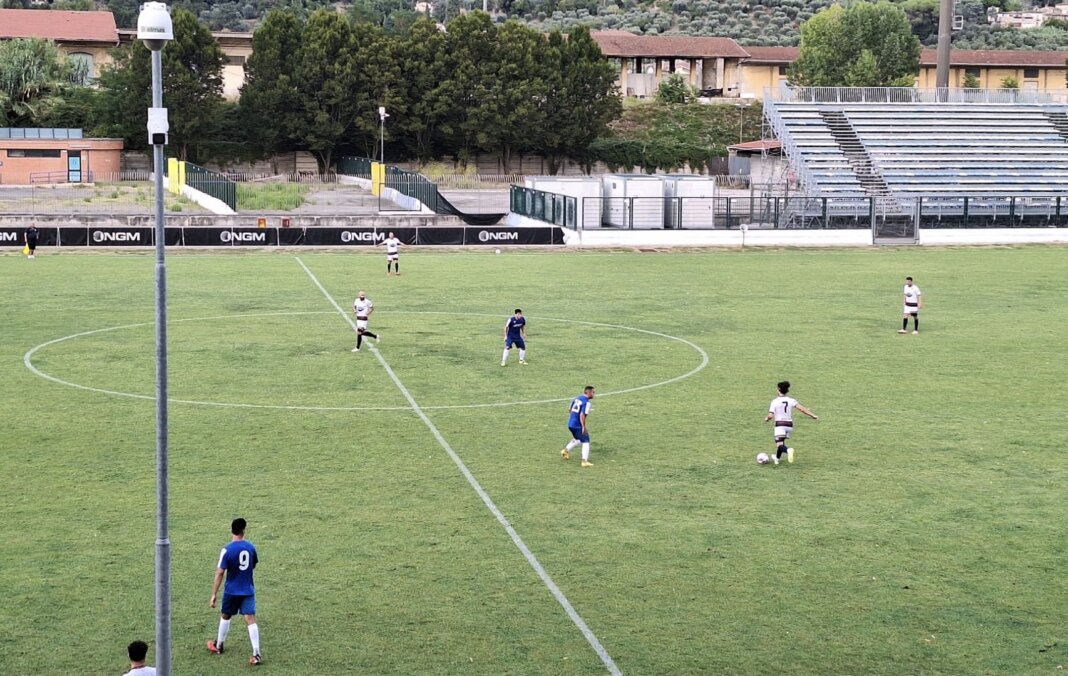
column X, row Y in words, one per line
column 487, row 236
column 9, row 237
column 100, row 236
column 347, row 236
column 228, row 236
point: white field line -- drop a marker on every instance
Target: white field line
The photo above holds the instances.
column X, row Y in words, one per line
column 518, row 541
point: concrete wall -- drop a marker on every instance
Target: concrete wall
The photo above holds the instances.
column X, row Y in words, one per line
column 237, row 221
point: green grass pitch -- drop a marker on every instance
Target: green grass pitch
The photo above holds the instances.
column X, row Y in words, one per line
column 921, row 530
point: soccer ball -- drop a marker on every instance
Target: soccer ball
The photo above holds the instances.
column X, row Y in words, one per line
column 762, row 458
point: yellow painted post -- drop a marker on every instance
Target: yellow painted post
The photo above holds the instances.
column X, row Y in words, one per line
column 172, row 175
column 376, row 178
column 181, row 176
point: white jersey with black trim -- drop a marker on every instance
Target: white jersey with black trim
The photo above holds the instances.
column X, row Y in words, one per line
column 912, row 295
column 362, row 308
column 782, row 408
column 392, row 245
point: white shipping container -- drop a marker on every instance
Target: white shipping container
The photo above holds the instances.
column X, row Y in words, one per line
column 690, row 202
column 633, row 201
column 585, row 189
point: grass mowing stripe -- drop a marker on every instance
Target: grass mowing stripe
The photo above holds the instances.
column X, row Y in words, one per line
column 531, row 559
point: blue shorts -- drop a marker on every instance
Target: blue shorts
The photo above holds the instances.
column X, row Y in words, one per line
column 232, row 605
column 576, row 432
column 518, row 341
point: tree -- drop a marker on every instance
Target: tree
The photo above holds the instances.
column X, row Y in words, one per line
column 325, row 77
column 517, row 90
column 472, row 49
column 970, row 81
column 425, row 73
column 269, row 101
column 33, row 78
column 1010, row 83
column 675, row 89
column 866, row 45
column 192, row 88
column 588, row 101
column 376, row 82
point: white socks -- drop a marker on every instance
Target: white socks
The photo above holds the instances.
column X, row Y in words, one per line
column 571, row 444
column 585, row 452
column 224, row 629
column 522, row 355
column 254, row 636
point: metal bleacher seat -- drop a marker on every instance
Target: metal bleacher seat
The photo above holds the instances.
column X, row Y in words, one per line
column 929, row 149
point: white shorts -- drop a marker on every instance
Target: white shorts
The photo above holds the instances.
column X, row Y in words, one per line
column 911, row 310
column 392, row 257
column 782, row 432
column 361, row 324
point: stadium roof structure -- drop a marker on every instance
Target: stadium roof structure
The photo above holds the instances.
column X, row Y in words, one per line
column 621, row 44
column 58, row 25
column 765, row 145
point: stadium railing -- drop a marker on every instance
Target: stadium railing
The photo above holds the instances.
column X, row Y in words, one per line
column 544, row 206
column 211, row 183
column 787, row 94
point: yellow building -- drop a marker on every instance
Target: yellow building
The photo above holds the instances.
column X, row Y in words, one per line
column 85, row 37
column 767, row 66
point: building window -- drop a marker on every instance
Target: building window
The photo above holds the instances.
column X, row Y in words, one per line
column 783, row 69
column 82, row 67
column 233, row 60
column 974, row 72
column 34, row 153
column 1031, row 73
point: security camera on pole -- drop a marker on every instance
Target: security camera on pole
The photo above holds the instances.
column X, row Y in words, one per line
column 155, row 29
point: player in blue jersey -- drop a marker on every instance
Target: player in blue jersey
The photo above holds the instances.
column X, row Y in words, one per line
column 576, row 423
column 515, row 333
column 237, row 561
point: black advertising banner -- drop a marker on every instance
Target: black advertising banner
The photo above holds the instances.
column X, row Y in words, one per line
column 203, row 237
column 73, row 236
column 291, row 237
column 444, row 235
column 430, row 235
column 498, row 236
column 171, row 236
column 14, row 237
column 120, row 237
column 250, row 236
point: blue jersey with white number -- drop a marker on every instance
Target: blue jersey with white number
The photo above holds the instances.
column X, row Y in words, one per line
column 238, row 559
column 579, row 405
column 515, row 326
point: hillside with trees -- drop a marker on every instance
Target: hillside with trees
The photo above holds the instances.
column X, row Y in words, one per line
column 750, row 22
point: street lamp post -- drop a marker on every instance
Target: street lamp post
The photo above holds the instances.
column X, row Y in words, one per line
column 382, row 115
column 155, row 29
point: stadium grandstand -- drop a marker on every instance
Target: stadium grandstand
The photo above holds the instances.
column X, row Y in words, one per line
column 917, row 154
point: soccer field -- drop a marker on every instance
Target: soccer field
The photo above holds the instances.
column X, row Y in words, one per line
column 922, row 528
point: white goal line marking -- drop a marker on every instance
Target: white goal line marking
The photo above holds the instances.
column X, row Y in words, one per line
column 501, row 518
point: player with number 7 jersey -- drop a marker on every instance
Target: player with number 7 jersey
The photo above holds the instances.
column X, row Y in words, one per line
column 237, row 562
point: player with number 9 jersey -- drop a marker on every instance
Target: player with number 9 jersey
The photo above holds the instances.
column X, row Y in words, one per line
column 237, row 561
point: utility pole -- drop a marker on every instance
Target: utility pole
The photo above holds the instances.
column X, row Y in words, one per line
column 945, row 33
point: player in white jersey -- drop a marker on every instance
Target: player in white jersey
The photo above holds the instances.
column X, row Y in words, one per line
column 362, row 307
column 393, row 246
column 781, row 411
column 913, row 304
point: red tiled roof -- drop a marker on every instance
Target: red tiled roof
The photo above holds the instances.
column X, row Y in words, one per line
column 757, row 146
column 621, row 44
column 57, row 25
column 772, row 54
column 997, row 57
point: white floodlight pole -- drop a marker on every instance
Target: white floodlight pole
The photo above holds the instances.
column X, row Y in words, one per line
column 155, row 29
column 382, row 115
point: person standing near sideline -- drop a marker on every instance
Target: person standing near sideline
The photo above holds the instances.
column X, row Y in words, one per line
column 913, row 305
column 137, row 652
column 237, row 561
column 576, row 424
column 30, row 237
column 362, row 307
column 515, row 333
column 782, row 411
column 393, row 246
